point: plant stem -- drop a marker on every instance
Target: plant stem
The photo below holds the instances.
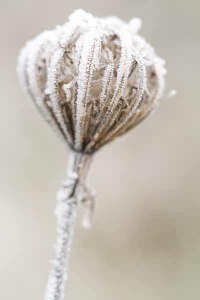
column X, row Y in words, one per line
column 68, row 199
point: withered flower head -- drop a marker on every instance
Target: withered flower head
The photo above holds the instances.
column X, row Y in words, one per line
column 92, row 79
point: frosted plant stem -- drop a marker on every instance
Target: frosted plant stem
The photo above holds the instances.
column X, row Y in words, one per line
column 66, row 210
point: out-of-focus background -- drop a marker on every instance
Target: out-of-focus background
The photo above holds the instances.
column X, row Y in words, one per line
column 145, row 242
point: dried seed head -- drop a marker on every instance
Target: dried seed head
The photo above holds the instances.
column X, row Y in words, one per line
column 92, row 79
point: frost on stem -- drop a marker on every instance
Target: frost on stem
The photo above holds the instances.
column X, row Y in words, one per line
column 68, row 198
column 92, row 79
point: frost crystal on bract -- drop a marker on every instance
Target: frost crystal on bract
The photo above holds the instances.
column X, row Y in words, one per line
column 92, row 79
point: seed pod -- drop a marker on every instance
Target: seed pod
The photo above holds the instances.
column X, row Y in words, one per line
column 92, row 79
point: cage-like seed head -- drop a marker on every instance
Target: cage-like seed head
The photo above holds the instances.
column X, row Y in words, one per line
column 92, row 79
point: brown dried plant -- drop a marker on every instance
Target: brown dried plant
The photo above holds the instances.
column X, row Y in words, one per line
column 92, row 80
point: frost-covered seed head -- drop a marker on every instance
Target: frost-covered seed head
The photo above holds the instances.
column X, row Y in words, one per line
column 92, row 79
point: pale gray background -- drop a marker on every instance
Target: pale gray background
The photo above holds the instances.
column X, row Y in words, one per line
column 145, row 243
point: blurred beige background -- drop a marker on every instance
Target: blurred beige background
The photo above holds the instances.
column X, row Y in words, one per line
column 145, row 242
